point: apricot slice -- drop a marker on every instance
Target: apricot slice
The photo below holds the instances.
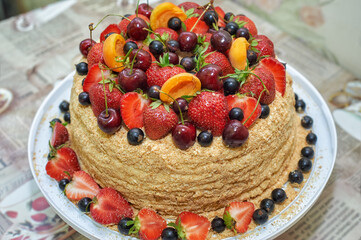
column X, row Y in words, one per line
column 180, row 85
column 113, row 50
column 238, row 53
column 163, row 12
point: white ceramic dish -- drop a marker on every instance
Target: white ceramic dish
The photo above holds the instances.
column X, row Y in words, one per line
column 325, row 156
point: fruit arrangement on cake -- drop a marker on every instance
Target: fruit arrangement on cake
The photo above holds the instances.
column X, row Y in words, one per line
column 183, row 125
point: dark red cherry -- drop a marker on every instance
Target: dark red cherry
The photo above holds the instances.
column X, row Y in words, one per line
column 173, row 58
column 221, row 41
column 143, row 59
column 85, row 46
column 210, row 77
column 234, row 134
column 182, row 103
column 145, row 10
column 132, row 79
column 111, row 122
column 135, row 29
column 184, row 135
column 187, row 41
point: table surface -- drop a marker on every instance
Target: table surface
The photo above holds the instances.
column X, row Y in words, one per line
column 39, row 49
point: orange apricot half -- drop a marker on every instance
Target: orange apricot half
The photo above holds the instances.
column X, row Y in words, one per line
column 113, row 51
column 180, row 85
column 163, row 12
column 238, row 53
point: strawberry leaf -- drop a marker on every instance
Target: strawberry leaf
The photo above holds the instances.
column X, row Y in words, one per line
column 166, row 106
column 240, row 23
column 155, row 104
column 228, row 220
column 184, row 27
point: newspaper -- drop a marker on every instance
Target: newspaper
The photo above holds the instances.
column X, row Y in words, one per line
column 32, row 61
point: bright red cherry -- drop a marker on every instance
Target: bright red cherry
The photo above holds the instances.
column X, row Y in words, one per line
column 111, row 122
column 187, row 41
column 143, row 59
column 136, row 29
column 145, row 10
column 210, row 77
column 221, row 40
column 132, row 79
column 234, row 134
column 85, row 46
column 184, row 135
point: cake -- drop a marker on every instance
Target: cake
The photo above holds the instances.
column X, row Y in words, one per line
column 128, row 134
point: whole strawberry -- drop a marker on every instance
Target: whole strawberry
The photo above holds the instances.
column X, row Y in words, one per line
column 158, row 75
column 166, row 34
column 221, row 60
column 208, row 111
column 158, row 121
column 96, row 96
column 95, row 55
column 249, row 24
column 254, row 86
column 265, row 46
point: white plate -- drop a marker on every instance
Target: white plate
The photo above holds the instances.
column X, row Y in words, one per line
column 325, row 156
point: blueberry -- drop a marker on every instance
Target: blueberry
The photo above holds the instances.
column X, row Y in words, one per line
column 268, row 205
column 307, row 122
column 108, row 34
column 67, row 117
column 230, row 86
column 63, row 183
column 236, row 114
column 82, row 68
column 265, row 111
column 129, row 45
column 279, row 195
column 300, row 106
column 53, row 121
column 156, row 47
column 305, row 164
column 243, row 32
column 260, row 216
column 175, row 23
column 123, row 226
column 251, row 57
column 296, row 97
column 84, row 204
column 64, row 106
column 173, row 45
column 232, row 28
column 153, row 92
column 307, row 152
column 218, row 225
column 228, row 16
column 311, row 138
column 169, row 233
column 135, row 136
column 84, row 99
column 205, row 138
column 188, row 63
column 295, row 176
column 211, row 17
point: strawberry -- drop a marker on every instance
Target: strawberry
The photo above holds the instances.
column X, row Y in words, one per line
column 109, row 207
column 191, row 226
column 166, row 34
column 112, row 28
column 221, row 14
column 253, row 86
column 62, row 163
column 197, row 9
column 279, row 72
column 148, row 224
column 132, row 105
column 248, row 105
column 158, row 122
column 221, row 60
column 200, row 28
column 94, row 76
column 60, row 134
column 248, row 23
column 265, row 46
column 96, row 96
column 124, row 23
column 95, row 55
column 157, row 75
column 208, row 111
column 82, row 185
column 238, row 215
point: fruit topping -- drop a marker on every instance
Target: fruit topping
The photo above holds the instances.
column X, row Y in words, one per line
column 295, row 176
column 156, row 48
column 192, row 226
column 311, row 138
column 246, row 23
column 137, row 29
column 131, row 79
column 166, row 34
column 95, row 75
column 210, row 18
column 221, row 41
column 124, row 226
column 82, row 68
column 85, row 46
column 232, row 28
column 184, row 135
column 307, row 152
column 169, row 233
column 132, row 105
column 97, row 97
column 163, row 13
column 236, row 114
column 172, row 45
column 265, row 46
column 234, row 134
column 197, row 26
column 180, row 104
column 109, row 121
column 123, row 25
column 112, row 28
column 175, row 23
column 95, row 55
column 238, row 53
column 230, row 86
column 60, row 135
column 67, row 117
column 64, row 106
column 265, row 111
column 188, row 63
column 187, row 41
column 306, row 122
column 62, row 163
column 135, row 136
column 279, row 195
column 251, row 110
column 228, row 16
column 144, row 9
column 205, row 138
column 305, row 164
column 129, row 45
column 268, row 205
column 153, row 92
column 113, row 52
column 109, row 207
column 84, row 99
column 218, row 225
column 221, row 60
column 84, row 204
column 210, row 77
column 192, row 8
column 260, row 216
column 243, row 32
column 300, row 106
column 159, row 74
column 62, row 183
column 238, row 216
column 278, row 71
column 143, row 59
column 251, row 57
column 82, row 185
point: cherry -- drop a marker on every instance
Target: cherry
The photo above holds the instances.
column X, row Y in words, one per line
column 234, row 134
column 210, row 77
column 173, row 58
column 85, row 46
column 131, row 79
column 172, row 45
column 187, row 41
column 243, row 32
column 221, row 41
column 143, row 59
column 183, row 105
column 188, row 63
column 111, row 122
column 184, row 135
column 135, row 29
column 145, row 10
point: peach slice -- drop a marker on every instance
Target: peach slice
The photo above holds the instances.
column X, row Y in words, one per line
column 163, row 12
column 180, row 85
column 113, row 50
column 238, row 53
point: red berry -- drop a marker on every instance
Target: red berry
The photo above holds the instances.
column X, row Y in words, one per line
column 248, row 105
column 63, row 164
column 60, row 135
column 132, row 105
column 85, row 46
column 239, row 212
column 194, row 227
column 95, row 55
column 112, row 28
column 81, row 186
column 279, row 72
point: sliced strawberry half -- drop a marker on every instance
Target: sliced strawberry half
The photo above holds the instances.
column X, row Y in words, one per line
column 62, row 164
column 148, row 224
column 248, row 105
column 94, row 76
column 132, row 105
column 60, row 134
column 109, row 207
column 240, row 213
column 81, row 186
column 279, row 72
column 192, row 226
column 200, row 28
column 112, row 28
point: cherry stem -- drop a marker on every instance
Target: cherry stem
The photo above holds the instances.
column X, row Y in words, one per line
column 199, row 18
column 105, row 95
column 157, row 35
column 259, row 98
column 132, row 64
column 180, row 110
column 136, row 13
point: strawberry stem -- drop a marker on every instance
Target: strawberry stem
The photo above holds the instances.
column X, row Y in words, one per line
column 199, row 18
